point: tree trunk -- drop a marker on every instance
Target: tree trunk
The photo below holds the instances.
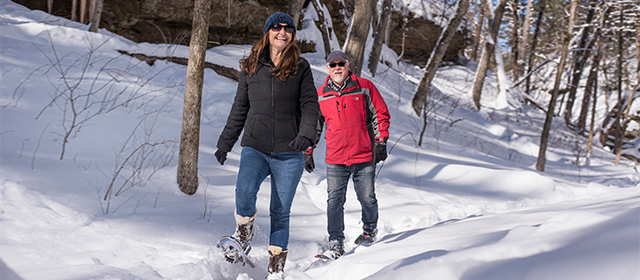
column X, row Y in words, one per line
column 534, row 42
column 488, row 51
column 321, row 25
column 95, row 19
column 556, row 87
column 74, row 10
column 593, row 111
column 49, row 6
column 515, row 49
column 597, row 39
column 295, row 10
column 524, row 42
column 478, row 35
column 83, row 10
column 357, row 39
column 437, row 54
column 581, row 55
column 190, row 136
column 619, row 130
column 379, row 36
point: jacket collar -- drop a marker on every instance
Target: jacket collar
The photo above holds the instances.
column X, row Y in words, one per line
column 349, row 82
column 265, row 58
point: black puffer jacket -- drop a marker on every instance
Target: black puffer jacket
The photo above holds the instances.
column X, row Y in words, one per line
column 271, row 111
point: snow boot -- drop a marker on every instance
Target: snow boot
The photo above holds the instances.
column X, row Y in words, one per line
column 335, row 251
column 244, row 228
column 367, row 237
column 243, row 235
column 277, row 259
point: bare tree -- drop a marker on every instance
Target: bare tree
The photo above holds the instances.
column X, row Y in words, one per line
column 582, row 54
column 477, row 38
column 524, row 41
column 515, row 47
column 488, row 51
column 556, row 88
column 532, row 49
column 591, row 78
column 295, row 10
column 357, row 39
column 379, row 37
column 618, row 124
column 322, row 26
column 420, row 97
column 190, row 136
column 95, row 19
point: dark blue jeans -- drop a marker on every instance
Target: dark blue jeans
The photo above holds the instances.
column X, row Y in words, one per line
column 337, row 180
column 285, row 170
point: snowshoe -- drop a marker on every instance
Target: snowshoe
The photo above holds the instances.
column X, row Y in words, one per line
column 235, row 250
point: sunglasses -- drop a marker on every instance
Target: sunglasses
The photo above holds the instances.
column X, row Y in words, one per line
column 334, row 64
column 277, row 27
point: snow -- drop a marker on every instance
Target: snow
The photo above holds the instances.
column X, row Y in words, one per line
column 467, row 204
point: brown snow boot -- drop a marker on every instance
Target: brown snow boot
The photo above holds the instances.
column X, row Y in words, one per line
column 277, row 258
column 244, row 228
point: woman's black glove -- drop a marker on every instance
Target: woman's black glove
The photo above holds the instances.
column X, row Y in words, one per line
column 221, row 156
column 300, row 143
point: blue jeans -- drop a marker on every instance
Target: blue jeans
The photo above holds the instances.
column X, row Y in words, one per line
column 337, row 180
column 285, row 170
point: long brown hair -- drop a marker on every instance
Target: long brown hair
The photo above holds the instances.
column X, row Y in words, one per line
column 288, row 65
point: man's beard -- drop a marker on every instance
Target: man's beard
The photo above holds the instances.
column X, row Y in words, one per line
column 339, row 79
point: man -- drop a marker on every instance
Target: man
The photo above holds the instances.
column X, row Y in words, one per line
column 357, row 129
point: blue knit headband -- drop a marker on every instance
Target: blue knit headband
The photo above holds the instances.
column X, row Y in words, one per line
column 277, row 18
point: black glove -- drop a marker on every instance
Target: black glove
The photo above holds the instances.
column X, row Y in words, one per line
column 300, row 143
column 379, row 152
column 309, row 165
column 221, row 156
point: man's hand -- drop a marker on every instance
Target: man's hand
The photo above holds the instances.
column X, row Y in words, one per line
column 221, row 156
column 300, row 143
column 379, row 151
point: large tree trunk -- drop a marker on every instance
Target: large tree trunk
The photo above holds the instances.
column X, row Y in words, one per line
column 581, row 55
column 321, row 25
column 534, row 42
column 437, row 54
column 556, row 87
column 190, row 136
column 95, row 19
column 357, row 39
column 379, row 36
column 488, row 51
column 295, row 10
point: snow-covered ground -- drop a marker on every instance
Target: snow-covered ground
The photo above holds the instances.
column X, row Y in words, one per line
column 467, row 204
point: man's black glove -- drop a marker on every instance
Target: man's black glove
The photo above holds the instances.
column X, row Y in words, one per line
column 221, row 156
column 379, row 151
column 300, row 143
column 309, row 165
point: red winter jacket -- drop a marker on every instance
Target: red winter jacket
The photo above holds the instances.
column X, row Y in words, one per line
column 355, row 117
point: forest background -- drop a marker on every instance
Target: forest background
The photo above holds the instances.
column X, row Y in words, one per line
column 558, row 56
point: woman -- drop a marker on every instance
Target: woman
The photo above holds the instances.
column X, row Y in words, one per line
column 277, row 106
